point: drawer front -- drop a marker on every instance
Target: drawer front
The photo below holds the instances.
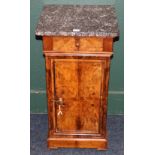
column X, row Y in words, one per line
column 77, row 44
column 83, row 44
column 91, row 44
column 64, row 44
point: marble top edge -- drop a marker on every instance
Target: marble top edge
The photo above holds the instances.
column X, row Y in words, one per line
column 91, row 20
column 79, row 5
column 82, row 34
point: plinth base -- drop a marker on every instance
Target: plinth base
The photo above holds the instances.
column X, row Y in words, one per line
column 54, row 143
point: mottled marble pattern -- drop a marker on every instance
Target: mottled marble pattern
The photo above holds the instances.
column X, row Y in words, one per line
column 91, row 20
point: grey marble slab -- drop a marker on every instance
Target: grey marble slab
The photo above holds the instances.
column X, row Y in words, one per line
column 78, row 20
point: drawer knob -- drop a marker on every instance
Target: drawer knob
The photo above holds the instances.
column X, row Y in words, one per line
column 77, row 43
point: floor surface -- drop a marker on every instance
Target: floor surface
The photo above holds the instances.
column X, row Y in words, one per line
column 39, row 135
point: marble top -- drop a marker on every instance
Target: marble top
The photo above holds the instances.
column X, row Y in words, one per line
column 78, row 20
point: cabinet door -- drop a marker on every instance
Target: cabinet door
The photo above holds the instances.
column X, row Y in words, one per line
column 78, row 89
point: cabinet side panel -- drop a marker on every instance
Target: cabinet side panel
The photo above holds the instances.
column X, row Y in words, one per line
column 108, row 44
column 47, row 43
column 106, row 70
column 49, row 92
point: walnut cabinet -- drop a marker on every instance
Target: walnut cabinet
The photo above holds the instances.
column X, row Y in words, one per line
column 77, row 76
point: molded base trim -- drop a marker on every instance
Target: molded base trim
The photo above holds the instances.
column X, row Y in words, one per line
column 99, row 144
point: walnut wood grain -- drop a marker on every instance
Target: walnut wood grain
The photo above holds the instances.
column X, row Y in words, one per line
column 77, row 70
column 47, row 43
column 91, row 44
column 100, row 144
column 49, row 92
column 105, row 92
column 64, row 44
column 77, row 44
column 108, row 44
column 92, row 56
column 78, row 83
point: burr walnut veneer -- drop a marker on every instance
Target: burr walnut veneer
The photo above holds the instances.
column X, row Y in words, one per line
column 77, row 76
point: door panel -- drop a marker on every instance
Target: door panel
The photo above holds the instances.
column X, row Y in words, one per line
column 89, row 73
column 66, row 79
column 66, row 84
column 89, row 79
column 78, row 83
